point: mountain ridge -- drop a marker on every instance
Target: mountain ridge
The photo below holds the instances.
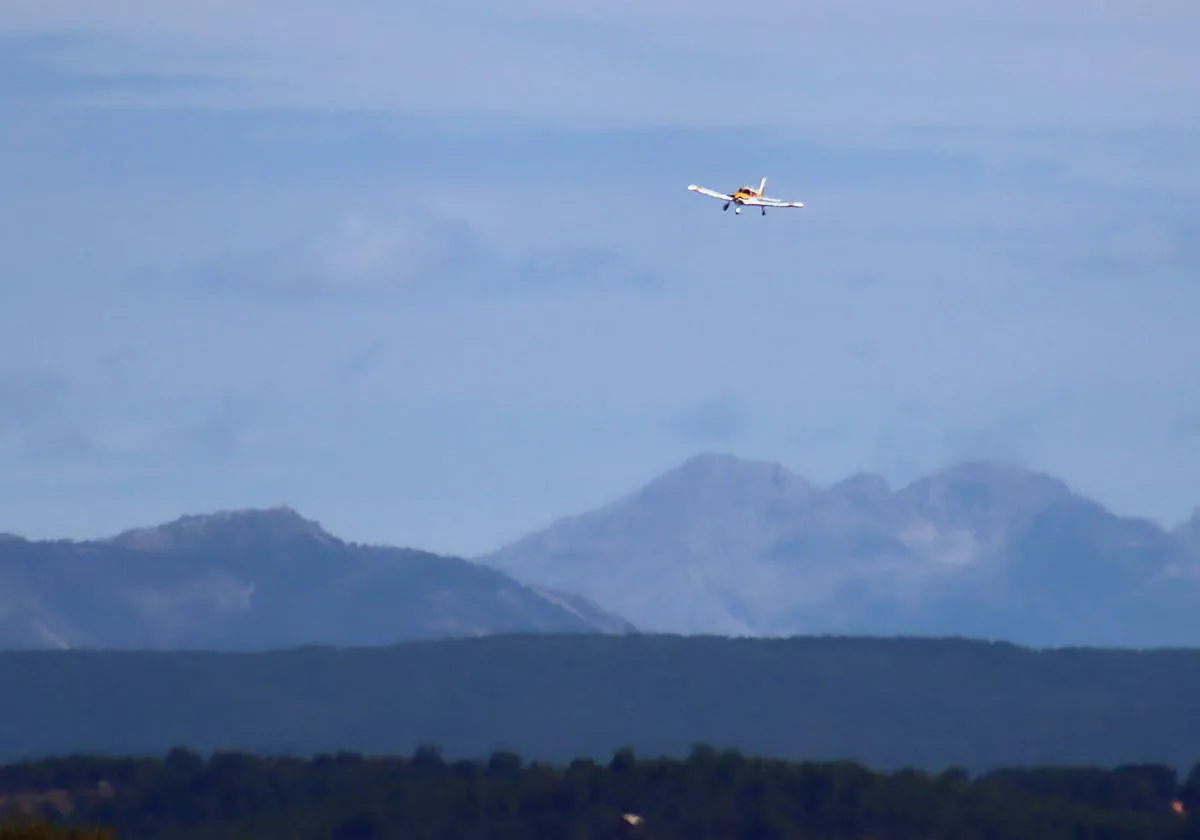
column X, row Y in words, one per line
column 718, row 545
column 260, row 578
column 721, row 544
column 279, row 523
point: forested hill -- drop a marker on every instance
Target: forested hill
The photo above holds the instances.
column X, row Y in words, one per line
column 888, row 703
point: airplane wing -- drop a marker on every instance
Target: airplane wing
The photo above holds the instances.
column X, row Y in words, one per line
column 771, row 202
column 710, row 193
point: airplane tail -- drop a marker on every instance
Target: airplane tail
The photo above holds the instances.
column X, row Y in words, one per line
column 762, row 187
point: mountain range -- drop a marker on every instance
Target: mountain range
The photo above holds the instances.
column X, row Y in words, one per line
column 258, row 579
column 731, row 546
column 718, row 545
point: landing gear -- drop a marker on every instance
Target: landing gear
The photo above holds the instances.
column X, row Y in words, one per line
column 726, row 207
column 737, row 209
column 764, row 211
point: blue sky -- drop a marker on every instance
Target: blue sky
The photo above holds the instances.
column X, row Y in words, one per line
column 428, row 272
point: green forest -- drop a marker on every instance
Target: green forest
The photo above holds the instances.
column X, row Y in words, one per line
column 708, row 795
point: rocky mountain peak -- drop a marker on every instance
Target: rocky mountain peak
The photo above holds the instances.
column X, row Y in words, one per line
column 1190, row 529
column 233, row 527
column 983, row 495
column 727, row 478
column 721, row 544
column 862, row 487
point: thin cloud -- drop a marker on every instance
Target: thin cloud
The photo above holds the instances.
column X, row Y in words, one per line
column 1187, row 425
column 853, row 64
column 356, row 364
column 1008, row 439
column 60, row 67
column 221, row 433
column 1165, row 247
column 353, row 255
column 713, row 420
column 582, row 267
column 361, row 256
column 37, row 421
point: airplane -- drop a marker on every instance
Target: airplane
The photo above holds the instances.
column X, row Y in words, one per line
column 746, row 197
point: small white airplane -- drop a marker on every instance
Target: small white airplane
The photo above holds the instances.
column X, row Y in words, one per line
column 746, row 197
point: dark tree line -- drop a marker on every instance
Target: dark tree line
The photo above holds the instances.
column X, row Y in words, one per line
column 41, row 830
column 711, row 795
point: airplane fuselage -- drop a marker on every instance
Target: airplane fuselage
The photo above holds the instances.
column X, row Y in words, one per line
column 745, row 194
column 741, row 196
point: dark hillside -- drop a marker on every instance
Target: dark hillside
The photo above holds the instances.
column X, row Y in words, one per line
column 888, row 703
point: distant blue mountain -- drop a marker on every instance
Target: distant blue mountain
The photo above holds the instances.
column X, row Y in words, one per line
column 719, row 545
column 729, row 546
column 259, row 579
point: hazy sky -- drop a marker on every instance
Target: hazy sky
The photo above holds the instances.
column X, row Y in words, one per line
column 428, row 272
